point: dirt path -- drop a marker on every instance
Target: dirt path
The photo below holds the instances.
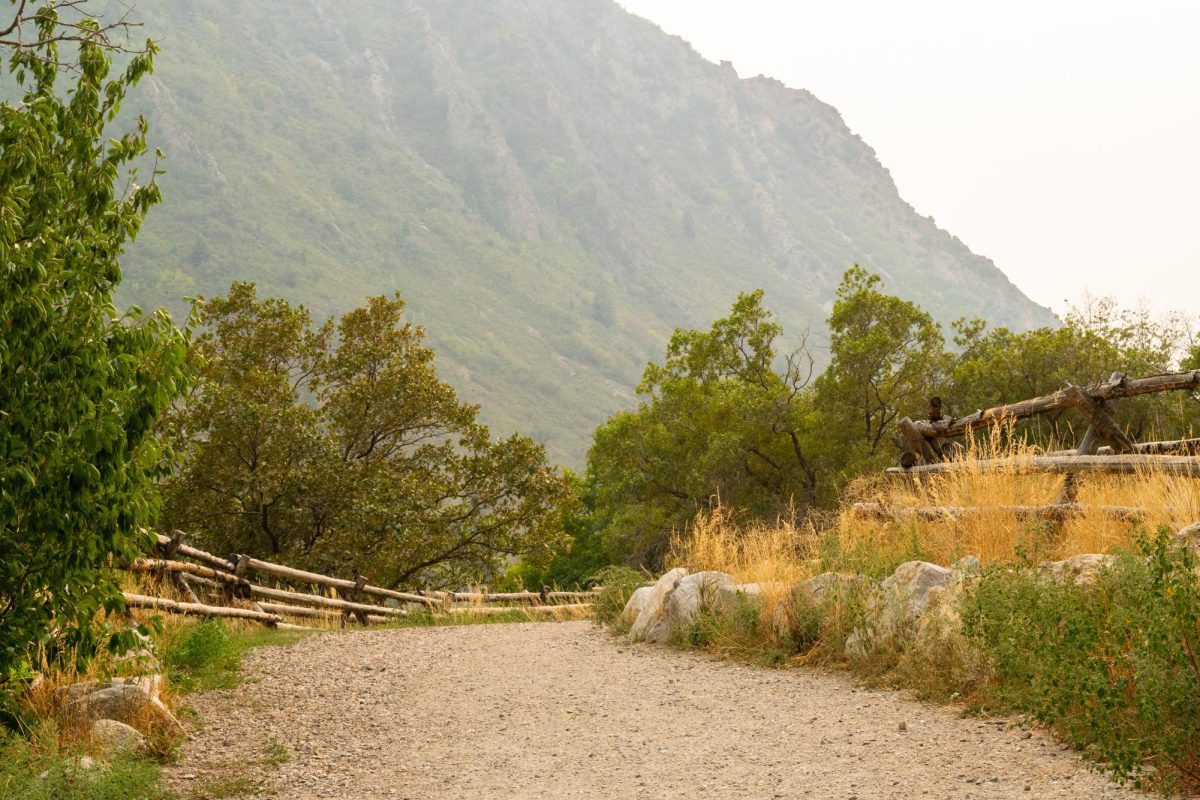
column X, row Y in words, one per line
column 561, row 710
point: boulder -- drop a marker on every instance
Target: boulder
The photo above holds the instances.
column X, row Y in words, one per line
column 1081, row 569
column 1189, row 537
column 652, row 603
column 637, row 601
column 894, row 607
column 132, row 702
column 109, row 735
column 711, row 591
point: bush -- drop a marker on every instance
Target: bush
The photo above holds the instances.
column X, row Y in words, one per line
column 1111, row 666
column 616, row 585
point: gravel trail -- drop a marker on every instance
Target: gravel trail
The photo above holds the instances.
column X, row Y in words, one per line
column 562, row 710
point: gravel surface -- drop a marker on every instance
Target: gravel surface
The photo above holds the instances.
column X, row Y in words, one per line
column 563, row 710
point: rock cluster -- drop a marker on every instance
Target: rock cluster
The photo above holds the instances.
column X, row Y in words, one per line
column 919, row 600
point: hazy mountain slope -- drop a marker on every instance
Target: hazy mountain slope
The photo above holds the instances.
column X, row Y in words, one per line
column 553, row 185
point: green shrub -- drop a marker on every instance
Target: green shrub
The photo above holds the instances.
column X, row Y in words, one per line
column 24, row 762
column 616, row 585
column 1111, row 666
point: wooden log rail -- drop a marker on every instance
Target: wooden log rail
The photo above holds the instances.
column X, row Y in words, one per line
column 1133, row 464
column 572, row 608
column 1054, row 511
column 1112, row 389
column 199, row 609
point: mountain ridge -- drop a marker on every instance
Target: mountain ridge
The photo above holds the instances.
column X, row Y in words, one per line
column 553, row 187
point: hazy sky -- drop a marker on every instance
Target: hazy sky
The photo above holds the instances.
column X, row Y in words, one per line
column 1060, row 139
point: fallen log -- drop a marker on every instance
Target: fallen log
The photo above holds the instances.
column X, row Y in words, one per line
column 1055, row 511
column 198, row 610
column 1185, row 466
column 1064, row 398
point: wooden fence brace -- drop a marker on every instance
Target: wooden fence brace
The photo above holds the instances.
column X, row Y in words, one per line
column 301, row 576
column 198, row 555
column 169, row 548
column 182, row 582
column 1099, row 420
column 352, row 596
column 917, row 443
column 184, row 568
column 316, row 613
column 323, row 602
column 486, row 611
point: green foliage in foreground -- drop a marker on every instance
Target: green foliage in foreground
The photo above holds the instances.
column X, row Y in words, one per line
column 81, row 385
column 24, row 762
column 1112, row 666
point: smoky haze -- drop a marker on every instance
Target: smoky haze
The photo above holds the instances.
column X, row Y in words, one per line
column 1059, row 139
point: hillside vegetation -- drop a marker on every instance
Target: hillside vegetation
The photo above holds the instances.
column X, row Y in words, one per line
column 553, row 187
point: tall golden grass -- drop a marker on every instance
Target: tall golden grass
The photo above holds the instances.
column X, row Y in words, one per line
column 788, row 550
column 996, row 533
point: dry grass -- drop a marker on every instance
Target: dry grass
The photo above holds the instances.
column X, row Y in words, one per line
column 997, row 534
column 779, row 555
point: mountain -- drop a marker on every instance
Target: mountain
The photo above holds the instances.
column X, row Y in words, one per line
column 552, row 185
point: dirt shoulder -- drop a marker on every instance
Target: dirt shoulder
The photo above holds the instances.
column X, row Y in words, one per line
column 562, row 710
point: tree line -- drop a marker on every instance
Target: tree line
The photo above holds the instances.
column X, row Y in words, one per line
column 733, row 416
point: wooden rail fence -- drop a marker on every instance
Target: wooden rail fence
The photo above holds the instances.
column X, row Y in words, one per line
column 228, row 580
column 1105, row 448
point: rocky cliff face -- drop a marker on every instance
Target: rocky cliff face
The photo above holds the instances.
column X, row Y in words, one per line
column 553, row 186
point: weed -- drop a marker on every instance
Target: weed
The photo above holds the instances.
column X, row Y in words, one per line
column 40, row 767
column 616, row 585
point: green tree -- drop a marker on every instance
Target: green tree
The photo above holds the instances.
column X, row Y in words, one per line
column 337, row 447
column 888, row 359
column 81, row 385
column 1000, row 366
column 720, row 420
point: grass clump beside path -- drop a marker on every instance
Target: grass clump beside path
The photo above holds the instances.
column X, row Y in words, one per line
column 42, row 766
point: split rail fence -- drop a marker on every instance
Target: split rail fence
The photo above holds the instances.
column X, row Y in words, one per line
column 1105, row 448
column 224, row 582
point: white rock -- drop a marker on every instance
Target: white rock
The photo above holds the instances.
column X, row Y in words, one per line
column 1081, row 569
column 653, row 603
column 109, row 735
column 1189, row 537
column 896, row 605
column 637, row 601
column 701, row 590
column 128, row 702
